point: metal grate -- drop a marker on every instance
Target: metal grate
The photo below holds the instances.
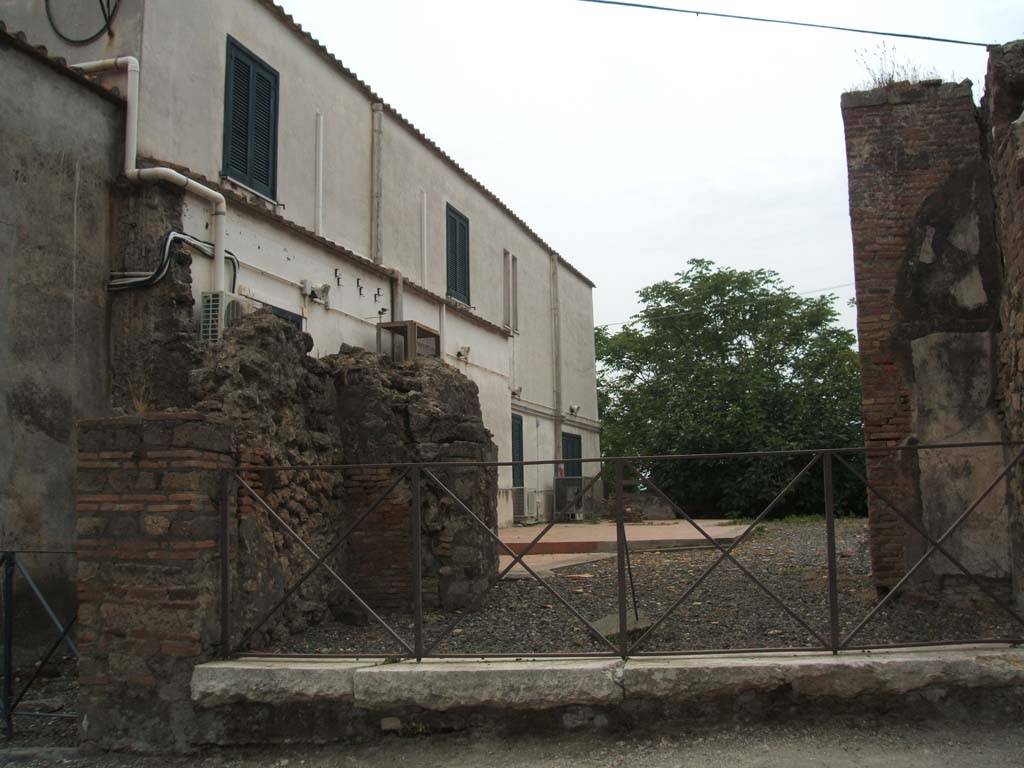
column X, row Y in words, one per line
column 210, row 320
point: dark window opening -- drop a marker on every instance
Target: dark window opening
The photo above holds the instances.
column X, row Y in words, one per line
column 572, row 448
column 517, row 451
column 291, row 317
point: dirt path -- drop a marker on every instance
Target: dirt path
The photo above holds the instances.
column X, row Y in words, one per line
column 842, row 745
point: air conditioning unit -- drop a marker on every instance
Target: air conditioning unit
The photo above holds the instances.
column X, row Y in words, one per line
column 221, row 311
column 525, row 506
column 571, row 504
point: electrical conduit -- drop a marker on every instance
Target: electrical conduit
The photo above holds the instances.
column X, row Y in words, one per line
column 131, row 139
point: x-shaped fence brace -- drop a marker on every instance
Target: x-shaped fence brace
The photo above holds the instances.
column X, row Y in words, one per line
column 935, row 546
column 321, row 562
column 9, row 563
column 835, row 644
column 726, row 554
column 418, row 649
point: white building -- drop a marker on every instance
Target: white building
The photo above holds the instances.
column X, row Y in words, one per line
column 327, row 184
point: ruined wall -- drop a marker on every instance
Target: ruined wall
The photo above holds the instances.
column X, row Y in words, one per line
column 1003, row 111
column 352, row 408
column 153, row 337
column 928, row 287
column 55, row 236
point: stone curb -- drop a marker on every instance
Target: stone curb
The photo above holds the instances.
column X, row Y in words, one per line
column 541, row 684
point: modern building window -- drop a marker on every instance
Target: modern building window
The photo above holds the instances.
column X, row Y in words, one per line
column 510, row 291
column 572, row 448
column 515, row 294
column 506, row 289
column 291, row 317
column 458, row 255
column 517, row 451
column 250, row 121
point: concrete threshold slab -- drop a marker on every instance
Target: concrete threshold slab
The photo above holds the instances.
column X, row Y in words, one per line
column 543, row 683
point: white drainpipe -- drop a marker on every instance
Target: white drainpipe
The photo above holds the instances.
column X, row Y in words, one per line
column 131, row 142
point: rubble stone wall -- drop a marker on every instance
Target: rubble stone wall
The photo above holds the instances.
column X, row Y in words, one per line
column 353, row 408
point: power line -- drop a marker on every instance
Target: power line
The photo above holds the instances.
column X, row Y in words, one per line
column 635, row 318
column 648, row 7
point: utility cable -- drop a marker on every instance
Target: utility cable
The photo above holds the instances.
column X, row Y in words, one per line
column 856, row 30
column 108, row 12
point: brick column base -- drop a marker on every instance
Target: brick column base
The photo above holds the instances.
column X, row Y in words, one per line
column 148, row 525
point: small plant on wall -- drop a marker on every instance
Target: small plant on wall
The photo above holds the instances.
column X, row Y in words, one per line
column 884, row 67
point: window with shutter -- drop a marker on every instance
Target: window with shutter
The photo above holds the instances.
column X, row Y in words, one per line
column 457, row 255
column 250, row 121
column 517, row 450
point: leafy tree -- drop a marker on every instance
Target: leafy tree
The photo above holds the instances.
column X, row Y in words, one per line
column 722, row 360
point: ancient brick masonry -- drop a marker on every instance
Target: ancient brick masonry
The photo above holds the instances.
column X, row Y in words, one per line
column 910, row 149
column 148, row 526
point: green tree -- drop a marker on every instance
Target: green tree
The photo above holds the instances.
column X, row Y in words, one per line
column 722, row 360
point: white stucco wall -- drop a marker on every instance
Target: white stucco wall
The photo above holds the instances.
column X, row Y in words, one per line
column 181, row 108
column 182, row 48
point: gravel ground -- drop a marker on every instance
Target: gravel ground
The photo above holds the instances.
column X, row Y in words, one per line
column 838, row 744
column 55, row 691
column 727, row 611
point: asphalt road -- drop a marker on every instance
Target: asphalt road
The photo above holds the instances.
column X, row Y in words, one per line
column 858, row 744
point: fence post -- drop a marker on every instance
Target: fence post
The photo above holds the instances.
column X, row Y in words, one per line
column 620, row 540
column 830, row 533
column 227, row 488
column 8, row 692
column 416, row 529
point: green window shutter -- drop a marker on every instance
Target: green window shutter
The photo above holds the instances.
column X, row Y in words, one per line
column 517, row 451
column 457, row 255
column 250, row 121
column 236, row 116
column 263, row 129
column 452, row 254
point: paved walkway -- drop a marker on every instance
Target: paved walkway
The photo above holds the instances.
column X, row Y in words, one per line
column 572, row 543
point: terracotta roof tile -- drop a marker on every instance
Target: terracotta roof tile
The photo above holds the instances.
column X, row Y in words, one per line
column 17, row 39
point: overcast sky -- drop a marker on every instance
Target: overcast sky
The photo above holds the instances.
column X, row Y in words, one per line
column 632, row 140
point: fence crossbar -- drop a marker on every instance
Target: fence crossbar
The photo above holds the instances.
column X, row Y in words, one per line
column 727, row 554
column 320, row 560
column 352, row 593
column 516, row 559
column 932, row 549
column 433, row 478
column 941, row 549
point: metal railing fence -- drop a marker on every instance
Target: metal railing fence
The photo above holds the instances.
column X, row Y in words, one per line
column 624, row 643
column 11, row 564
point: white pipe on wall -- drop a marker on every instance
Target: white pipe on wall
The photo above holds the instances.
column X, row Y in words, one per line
column 131, row 142
column 423, row 238
column 376, row 142
column 318, row 202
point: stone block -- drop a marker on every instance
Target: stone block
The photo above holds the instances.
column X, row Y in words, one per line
column 274, row 682
column 443, row 685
